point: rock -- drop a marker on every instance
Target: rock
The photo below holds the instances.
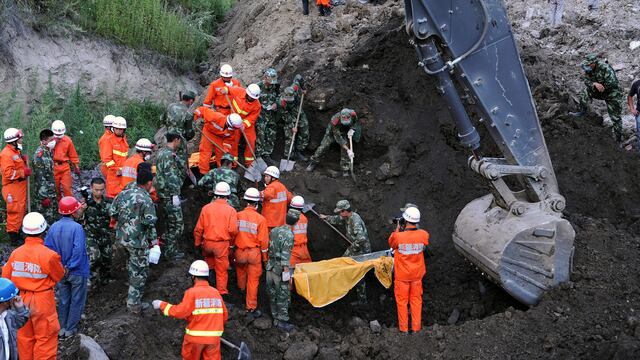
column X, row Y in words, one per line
column 302, row 33
column 477, row 310
column 375, row 326
column 89, row 349
column 262, row 323
column 634, row 44
column 632, row 322
column 315, row 334
column 305, row 350
column 619, row 66
column 328, row 354
column 454, row 317
column 535, row 34
column 356, row 322
column 508, row 314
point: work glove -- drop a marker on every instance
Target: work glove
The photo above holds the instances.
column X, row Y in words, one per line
column 46, row 202
column 350, row 133
column 27, row 171
column 156, row 304
column 76, row 170
column 350, row 154
column 197, row 114
column 175, row 200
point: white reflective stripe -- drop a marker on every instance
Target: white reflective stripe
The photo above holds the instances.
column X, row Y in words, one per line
column 207, row 311
column 299, row 228
column 29, row 275
column 280, row 197
column 203, row 333
column 410, row 249
column 248, row 227
column 166, row 309
column 300, row 231
column 264, row 251
column 13, row 175
column 128, row 171
column 217, row 126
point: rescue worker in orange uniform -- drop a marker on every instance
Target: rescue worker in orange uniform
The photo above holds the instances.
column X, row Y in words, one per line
column 35, row 270
column 14, row 182
column 144, row 148
column 275, row 198
column 251, row 246
column 107, row 122
column 300, row 252
column 64, row 157
column 246, row 104
column 113, row 153
column 408, row 243
column 220, row 129
column 203, row 308
column 215, row 232
column 218, row 94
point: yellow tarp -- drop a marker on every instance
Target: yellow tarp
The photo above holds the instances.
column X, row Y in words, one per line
column 194, row 159
column 324, row 282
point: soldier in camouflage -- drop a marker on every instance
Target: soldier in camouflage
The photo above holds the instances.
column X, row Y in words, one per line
column 99, row 235
column 45, row 200
column 179, row 120
column 268, row 119
column 224, row 173
column 290, row 104
column 280, row 246
column 601, row 83
column 341, row 125
column 356, row 233
column 136, row 219
column 169, row 179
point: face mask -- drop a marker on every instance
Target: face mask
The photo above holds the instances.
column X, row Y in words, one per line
column 230, row 83
column 51, row 144
column 147, row 157
column 19, row 146
column 58, row 137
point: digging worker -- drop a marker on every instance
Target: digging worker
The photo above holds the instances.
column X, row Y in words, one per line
column 35, row 270
column 15, row 172
column 218, row 135
column 203, row 308
column 168, row 184
column 178, row 120
column 113, row 153
column 356, row 232
column 99, row 235
column 251, row 245
column 64, row 157
column 300, row 253
column 601, row 83
column 144, row 148
column 278, row 267
column 275, row 198
column 45, row 186
column 107, row 122
column 215, row 232
column 268, row 119
column 343, row 125
column 246, row 104
column 224, row 173
column 409, row 243
column 135, row 217
column 290, row 103
column 634, row 108
column 218, row 91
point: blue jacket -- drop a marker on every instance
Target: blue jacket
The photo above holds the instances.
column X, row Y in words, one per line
column 67, row 238
column 15, row 319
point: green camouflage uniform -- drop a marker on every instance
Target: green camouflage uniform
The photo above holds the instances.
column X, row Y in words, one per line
column 267, row 121
column 289, row 116
column 337, row 133
column 179, row 120
column 45, row 186
column 356, row 232
column 136, row 228
column 169, row 179
column 280, row 246
column 227, row 175
column 99, row 237
column 612, row 94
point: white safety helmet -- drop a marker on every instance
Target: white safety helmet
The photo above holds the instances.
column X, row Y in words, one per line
column 252, row 194
column 234, row 121
column 297, row 202
column 108, row 120
column 273, row 172
column 119, row 123
column 12, row 134
column 58, row 127
column 226, row 70
column 34, row 224
column 222, row 189
column 253, row 91
column 411, row 215
column 199, row 268
column 144, row 145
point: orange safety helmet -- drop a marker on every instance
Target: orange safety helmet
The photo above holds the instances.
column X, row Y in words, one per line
column 68, row 205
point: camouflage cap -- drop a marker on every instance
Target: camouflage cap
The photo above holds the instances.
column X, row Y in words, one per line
column 289, row 94
column 189, row 95
column 271, row 75
column 342, row 205
column 226, row 156
column 293, row 214
column 408, row 205
column 590, row 59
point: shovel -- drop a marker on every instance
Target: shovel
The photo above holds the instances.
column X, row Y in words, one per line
column 287, row 165
column 248, row 174
column 353, row 176
column 309, row 207
column 243, row 350
column 258, row 165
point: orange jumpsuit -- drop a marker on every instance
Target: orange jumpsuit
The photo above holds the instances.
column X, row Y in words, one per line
column 204, row 310
column 215, row 129
column 300, row 253
column 275, row 199
column 130, row 169
column 252, row 243
column 113, row 153
column 325, row 3
column 249, row 111
column 14, row 186
column 35, row 270
column 105, row 135
column 216, row 228
column 408, row 263
column 216, row 98
column 63, row 153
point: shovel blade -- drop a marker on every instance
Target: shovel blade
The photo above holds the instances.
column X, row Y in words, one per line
column 260, row 165
column 252, row 174
column 245, row 352
column 308, row 207
column 286, row 165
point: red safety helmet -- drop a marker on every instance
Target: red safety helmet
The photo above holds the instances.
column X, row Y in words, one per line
column 68, row 205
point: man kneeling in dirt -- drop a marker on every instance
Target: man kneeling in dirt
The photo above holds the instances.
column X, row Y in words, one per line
column 204, row 310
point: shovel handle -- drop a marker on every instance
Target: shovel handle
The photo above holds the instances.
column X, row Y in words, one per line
column 333, row 227
column 229, row 344
column 293, row 137
column 219, row 147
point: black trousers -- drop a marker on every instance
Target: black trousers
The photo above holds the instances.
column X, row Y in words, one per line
column 305, row 7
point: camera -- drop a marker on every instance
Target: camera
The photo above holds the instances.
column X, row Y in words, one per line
column 86, row 194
